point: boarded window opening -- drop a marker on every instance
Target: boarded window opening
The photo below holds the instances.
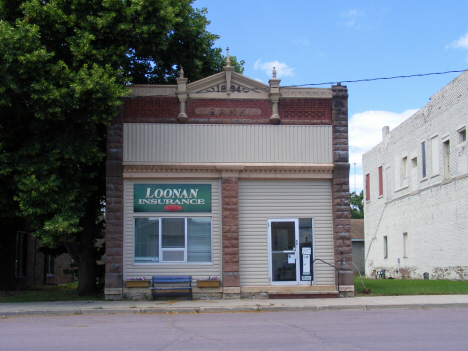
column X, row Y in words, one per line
column 404, row 165
column 405, row 245
column 380, row 181
column 385, row 247
column 462, row 135
column 367, row 188
column 423, row 159
column 435, row 155
column 446, row 148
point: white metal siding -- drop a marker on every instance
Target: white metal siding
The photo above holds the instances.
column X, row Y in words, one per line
column 204, row 270
column 260, row 200
column 227, row 143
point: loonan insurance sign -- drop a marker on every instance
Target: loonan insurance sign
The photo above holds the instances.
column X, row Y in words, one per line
column 172, row 198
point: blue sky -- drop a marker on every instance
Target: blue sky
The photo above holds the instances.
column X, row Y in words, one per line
column 313, row 42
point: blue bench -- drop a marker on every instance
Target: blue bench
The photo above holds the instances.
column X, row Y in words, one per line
column 171, row 285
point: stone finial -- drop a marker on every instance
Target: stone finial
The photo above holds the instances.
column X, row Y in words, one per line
column 274, row 97
column 228, row 61
column 181, row 72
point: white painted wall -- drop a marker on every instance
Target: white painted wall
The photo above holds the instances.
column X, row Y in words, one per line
column 432, row 210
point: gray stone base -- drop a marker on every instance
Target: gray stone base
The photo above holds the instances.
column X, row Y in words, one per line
column 256, row 295
column 137, row 296
column 346, row 293
column 208, row 296
column 144, row 294
column 231, row 296
column 113, row 294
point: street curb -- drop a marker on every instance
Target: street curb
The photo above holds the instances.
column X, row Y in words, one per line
column 341, row 307
column 243, row 309
column 110, row 311
column 394, row 306
column 287, row 308
column 445, row 305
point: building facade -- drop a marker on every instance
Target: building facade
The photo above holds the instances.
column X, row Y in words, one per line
column 357, row 238
column 228, row 177
column 416, row 191
column 23, row 266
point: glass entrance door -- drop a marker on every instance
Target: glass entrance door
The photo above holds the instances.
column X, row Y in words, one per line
column 283, row 249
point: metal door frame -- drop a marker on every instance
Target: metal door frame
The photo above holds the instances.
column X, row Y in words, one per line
column 296, row 238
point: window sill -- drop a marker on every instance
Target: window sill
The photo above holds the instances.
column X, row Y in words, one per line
column 380, row 196
column 435, row 175
column 425, row 179
column 171, row 263
column 402, row 188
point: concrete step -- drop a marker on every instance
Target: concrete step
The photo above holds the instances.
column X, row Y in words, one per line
column 305, row 295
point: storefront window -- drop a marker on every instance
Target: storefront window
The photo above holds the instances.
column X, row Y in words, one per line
column 181, row 239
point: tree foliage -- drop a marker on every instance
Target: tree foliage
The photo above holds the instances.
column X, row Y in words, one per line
column 64, row 66
column 357, row 205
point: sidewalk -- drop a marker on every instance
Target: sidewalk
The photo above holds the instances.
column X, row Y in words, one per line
column 243, row 305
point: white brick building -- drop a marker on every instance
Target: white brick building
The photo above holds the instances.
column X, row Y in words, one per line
column 416, row 191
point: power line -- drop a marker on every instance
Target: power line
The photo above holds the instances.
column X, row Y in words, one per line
column 317, row 84
column 382, row 78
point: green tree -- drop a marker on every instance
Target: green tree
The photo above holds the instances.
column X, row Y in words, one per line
column 357, row 205
column 64, row 67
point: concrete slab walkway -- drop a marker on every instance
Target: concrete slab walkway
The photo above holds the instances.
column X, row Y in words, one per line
column 242, row 305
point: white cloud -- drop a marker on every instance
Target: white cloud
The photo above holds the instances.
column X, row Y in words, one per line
column 461, row 43
column 282, row 69
column 365, row 132
column 351, row 17
column 304, row 42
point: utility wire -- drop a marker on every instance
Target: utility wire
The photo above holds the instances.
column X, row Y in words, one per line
column 315, row 84
column 383, row 78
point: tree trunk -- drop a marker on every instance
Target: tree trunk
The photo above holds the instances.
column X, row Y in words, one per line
column 82, row 251
column 86, row 270
column 82, row 254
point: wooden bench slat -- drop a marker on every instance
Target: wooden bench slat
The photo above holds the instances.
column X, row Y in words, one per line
column 164, row 290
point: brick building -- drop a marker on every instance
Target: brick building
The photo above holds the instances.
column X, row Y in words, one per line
column 22, row 265
column 416, row 191
column 247, row 183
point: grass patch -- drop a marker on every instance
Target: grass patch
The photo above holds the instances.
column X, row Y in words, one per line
column 395, row 287
column 65, row 292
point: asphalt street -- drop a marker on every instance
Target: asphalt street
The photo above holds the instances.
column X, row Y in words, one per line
column 382, row 329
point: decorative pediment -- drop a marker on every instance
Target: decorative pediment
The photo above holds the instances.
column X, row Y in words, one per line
column 228, row 85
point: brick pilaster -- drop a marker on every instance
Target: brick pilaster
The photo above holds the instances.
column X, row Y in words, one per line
column 340, row 186
column 114, row 209
column 230, row 218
